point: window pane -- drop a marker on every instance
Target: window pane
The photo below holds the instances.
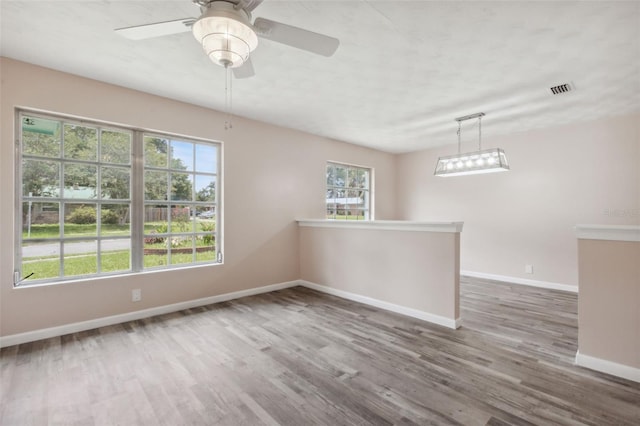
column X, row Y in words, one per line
column 182, row 155
column 40, row 178
column 155, row 152
column 352, row 202
column 79, row 220
column 115, row 219
column 80, row 143
column 40, row 220
column 340, row 176
column 156, row 220
column 40, row 137
column 181, row 186
column 155, row 257
column 80, row 181
column 42, row 259
column 362, row 179
column 115, row 255
column 352, row 180
column 207, row 239
column 116, row 183
column 181, row 219
column 155, row 246
column 341, row 210
column 205, row 188
column 356, row 199
column 115, row 147
column 205, row 214
column 331, row 213
column 206, row 158
column 182, row 250
column 156, row 238
column 155, row 185
column 205, row 254
column 358, row 215
column 349, row 204
column 331, row 175
column 80, row 258
column 87, row 172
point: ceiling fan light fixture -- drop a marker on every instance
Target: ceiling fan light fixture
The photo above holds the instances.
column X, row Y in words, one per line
column 225, row 34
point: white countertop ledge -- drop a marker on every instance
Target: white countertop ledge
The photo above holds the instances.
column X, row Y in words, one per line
column 386, row 225
column 608, row 232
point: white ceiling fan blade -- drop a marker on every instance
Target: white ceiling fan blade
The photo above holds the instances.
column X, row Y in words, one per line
column 158, row 29
column 249, row 5
column 245, row 70
column 296, row 37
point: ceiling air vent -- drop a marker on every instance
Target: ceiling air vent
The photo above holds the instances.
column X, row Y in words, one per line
column 562, row 88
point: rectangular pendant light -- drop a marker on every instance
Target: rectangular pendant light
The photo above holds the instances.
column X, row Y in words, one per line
column 472, row 163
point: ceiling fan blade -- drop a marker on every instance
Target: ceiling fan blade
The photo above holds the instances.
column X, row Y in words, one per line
column 245, row 70
column 296, row 37
column 158, row 29
column 249, row 5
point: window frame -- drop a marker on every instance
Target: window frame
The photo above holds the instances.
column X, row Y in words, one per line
column 135, row 202
column 368, row 209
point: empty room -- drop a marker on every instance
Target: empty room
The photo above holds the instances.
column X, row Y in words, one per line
column 319, row 212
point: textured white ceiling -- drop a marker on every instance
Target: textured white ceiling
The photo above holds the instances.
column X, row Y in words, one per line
column 403, row 72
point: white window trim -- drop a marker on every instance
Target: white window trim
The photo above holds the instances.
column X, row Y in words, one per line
column 371, row 190
column 136, row 200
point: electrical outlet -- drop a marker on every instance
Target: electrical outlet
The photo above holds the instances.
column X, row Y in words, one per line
column 136, row 295
column 528, row 269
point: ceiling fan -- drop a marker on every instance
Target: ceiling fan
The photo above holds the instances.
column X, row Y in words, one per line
column 225, row 31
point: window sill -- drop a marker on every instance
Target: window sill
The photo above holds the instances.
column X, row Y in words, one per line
column 388, row 225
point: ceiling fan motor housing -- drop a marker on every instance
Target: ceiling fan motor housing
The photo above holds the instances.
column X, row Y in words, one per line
column 226, row 34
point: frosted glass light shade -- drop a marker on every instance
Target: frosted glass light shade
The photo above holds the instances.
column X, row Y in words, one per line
column 226, row 35
column 471, row 163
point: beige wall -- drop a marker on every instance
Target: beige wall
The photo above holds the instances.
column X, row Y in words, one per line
column 584, row 173
column 272, row 176
column 275, row 175
column 609, row 301
column 412, row 269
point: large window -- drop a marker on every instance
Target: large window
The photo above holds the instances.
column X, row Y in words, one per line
column 348, row 193
column 99, row 200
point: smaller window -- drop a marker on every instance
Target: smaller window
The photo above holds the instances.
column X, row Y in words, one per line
column 348, row 194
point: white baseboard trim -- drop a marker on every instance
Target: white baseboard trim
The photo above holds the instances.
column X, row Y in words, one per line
column 609, row 367
column 522, row 281
column 415, row 313
column 45, row 333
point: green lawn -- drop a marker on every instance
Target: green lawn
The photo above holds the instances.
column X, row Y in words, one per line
column 111, row 261
column 48, row 266
column 345, row 217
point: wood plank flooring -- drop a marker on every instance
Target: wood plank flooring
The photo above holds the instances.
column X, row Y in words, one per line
column 299, row 357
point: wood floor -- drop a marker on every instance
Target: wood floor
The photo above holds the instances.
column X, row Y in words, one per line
column 299, row 357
